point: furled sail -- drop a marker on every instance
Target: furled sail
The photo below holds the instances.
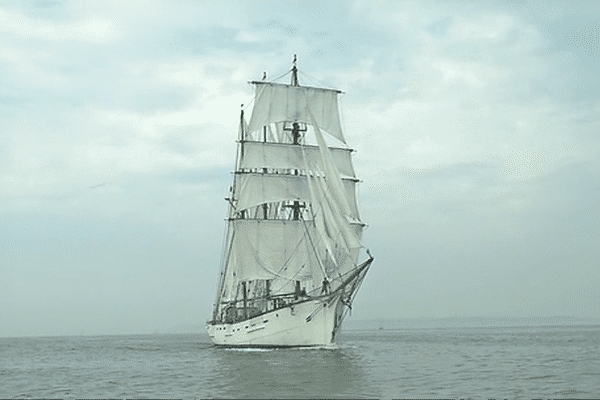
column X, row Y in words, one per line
column 276, row 102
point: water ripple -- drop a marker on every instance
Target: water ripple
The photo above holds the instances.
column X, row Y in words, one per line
column 452, row 363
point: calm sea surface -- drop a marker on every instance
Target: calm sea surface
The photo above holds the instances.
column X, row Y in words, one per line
column 501, row 363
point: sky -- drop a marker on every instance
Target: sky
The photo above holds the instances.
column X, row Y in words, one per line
column 476, row 124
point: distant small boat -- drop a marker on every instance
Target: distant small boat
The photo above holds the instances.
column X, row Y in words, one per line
column 290, row 266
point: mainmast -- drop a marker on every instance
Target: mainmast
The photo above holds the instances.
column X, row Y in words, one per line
column 296, row 137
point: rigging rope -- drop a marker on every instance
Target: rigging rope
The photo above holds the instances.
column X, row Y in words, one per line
column 315, row 81
column 281, row 76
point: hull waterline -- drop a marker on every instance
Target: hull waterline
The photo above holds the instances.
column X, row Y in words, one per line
column 310, row 323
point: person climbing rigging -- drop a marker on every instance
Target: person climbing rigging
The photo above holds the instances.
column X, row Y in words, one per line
column 325, row 288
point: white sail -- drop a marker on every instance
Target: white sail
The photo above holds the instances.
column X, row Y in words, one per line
column 255, row 188
column 334, row 228
column 277, row 102
column 289, row 156
column 270, row 249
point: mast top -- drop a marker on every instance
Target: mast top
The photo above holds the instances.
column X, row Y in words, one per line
column 294, row 79
column 295, row 72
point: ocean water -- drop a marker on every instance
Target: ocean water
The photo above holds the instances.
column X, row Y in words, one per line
column 455, row 363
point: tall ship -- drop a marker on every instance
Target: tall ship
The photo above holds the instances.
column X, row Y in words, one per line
column 290, row 267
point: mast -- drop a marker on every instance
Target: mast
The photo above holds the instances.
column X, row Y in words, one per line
column 296, row 141
column 264, row 127
column 295, row 72
column 228, row 237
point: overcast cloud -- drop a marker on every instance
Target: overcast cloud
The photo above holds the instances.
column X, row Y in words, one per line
column 476, row 123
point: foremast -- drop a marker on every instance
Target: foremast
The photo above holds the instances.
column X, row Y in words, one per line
column 293, row 227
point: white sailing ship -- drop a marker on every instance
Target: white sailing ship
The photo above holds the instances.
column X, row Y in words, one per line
column 290, row 269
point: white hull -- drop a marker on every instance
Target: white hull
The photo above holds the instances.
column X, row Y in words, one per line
column 310, row 323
